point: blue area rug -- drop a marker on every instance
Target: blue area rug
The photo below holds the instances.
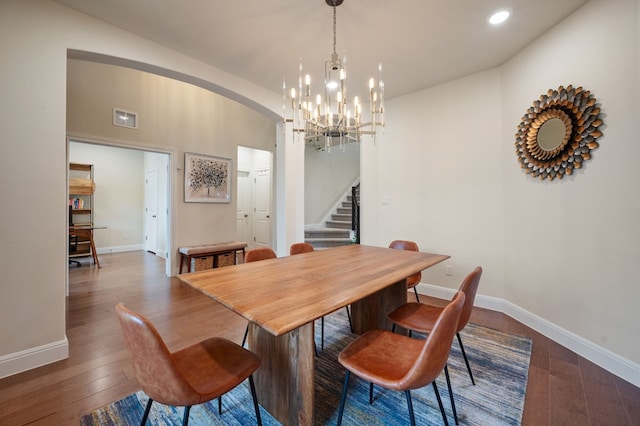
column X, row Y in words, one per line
column 500, row 364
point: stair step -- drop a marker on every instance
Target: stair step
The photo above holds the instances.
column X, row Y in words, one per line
column 322, row 243
column 327, row 233
column 337, row 231
column 339, row 224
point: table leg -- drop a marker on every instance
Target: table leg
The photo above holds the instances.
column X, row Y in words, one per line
column 371, row 312
column 285, row 379
column 93, row 250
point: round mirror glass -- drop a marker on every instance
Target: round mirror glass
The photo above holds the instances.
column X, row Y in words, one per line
column 551, row 134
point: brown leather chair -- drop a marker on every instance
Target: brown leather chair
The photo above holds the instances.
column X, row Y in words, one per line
column 414, row 279
column 259, row 253
column 254, row 255
column 422, row 317
column 401, row 363
column 194, row 375
column 298, row 248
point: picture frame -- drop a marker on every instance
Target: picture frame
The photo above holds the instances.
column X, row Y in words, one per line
column 207, row 179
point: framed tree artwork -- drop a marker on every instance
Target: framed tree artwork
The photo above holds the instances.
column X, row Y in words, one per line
column 207, row 179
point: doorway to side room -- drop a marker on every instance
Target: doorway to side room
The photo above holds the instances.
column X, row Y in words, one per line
column 254, row 197
column 131, row 199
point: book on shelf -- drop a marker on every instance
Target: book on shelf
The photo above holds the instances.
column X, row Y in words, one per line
column 76, row 203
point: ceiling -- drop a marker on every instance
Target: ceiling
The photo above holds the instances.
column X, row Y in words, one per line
column 420, row 43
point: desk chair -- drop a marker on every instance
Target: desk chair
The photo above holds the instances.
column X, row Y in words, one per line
column 297, row 248
column 414, row 279
column 194, row 375
column 254, row 255
column 73, row 247
column 399, row 362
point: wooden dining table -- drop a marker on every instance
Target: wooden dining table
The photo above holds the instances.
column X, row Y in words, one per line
column 283, row 297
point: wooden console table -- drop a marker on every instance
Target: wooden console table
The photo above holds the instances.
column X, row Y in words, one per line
column 215, row 250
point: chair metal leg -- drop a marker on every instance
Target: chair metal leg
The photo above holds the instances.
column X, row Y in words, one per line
column 185, row 419
column 146, row 412
column 415, row 290
column 255, row 400
column 220, row 405
column 466, row 361
column 370, row 393
column 344, row 397
column 322, row 334
column 453, row 403
column 246, row 332
column 410, row 406
column 349, row 316
column 444, row 415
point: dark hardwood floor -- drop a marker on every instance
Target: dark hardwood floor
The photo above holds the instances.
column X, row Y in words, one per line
column 563, row 388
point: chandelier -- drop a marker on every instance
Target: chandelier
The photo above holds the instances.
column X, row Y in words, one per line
column 329, row 120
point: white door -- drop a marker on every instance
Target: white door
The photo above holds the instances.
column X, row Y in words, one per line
column 244, row 218
column 151, row 211
column 262, row 206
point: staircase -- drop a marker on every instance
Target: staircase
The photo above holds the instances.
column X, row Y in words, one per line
column 337, row 230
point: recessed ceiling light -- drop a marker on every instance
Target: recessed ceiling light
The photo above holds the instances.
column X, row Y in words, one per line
column 499, row 17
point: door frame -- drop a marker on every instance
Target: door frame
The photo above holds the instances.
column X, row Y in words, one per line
column 171, row 184
column 249, row 166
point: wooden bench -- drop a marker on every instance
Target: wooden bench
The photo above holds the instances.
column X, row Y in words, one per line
column 215, row 250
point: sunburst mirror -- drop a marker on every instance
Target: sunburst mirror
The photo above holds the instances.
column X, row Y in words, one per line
column 558, row 132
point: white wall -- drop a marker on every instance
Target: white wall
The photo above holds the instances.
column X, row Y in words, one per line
column 563, row 253
column 327, row 175
column 572, row 244
column 437, row 171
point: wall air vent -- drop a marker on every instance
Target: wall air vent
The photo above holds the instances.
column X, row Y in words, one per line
column 125, row 118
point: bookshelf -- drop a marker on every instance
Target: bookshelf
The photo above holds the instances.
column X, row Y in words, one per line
column 81, row 189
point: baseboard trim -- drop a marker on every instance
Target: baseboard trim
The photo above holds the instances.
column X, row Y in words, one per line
column 610, row 361
column 28, row 359
column 120, row 249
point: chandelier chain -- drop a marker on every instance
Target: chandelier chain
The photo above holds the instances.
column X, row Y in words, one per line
column 334, row 26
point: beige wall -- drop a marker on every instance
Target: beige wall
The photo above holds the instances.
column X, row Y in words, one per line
column 35, row 39
column 172, row 115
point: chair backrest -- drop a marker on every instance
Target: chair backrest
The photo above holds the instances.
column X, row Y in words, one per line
column 411, row 246
column 297, row 248
column 437, row 346
column 469, row 287
column 259, row 253
column 152, row 362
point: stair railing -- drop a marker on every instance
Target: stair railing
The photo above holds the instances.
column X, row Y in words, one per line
column 355, row 212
